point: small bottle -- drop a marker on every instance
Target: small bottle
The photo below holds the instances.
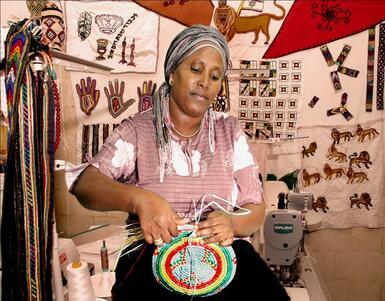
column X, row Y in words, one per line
column 104, row 257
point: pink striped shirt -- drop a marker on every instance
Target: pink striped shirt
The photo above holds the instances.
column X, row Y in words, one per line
column 130, row 155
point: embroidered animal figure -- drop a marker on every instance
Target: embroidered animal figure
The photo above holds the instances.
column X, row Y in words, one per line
column 336, row 155
column 329, row 172
column 363, row 158
column 228, row 21
column 370, row 133
column 309, row 179
column 352, row 175
column 337, row 136
column 320, row 203
column 364, row 199
column 311, row 150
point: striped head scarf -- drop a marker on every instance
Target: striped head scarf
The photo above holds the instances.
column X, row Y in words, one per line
column 184, row 44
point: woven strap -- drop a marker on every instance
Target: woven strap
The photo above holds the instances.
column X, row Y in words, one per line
column 370, row 69
column 381, row 68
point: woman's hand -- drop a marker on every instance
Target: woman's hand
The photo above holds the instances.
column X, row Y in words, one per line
column 159, row 222
column 218, row 227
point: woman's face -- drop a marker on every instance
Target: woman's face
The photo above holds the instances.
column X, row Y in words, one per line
column 196, row 82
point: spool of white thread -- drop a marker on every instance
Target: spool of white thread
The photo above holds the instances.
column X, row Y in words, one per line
column 79, row 282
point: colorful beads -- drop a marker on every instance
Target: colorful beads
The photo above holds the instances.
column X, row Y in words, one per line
column 188, row 267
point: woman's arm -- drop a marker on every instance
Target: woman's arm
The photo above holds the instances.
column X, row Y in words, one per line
column 97, row 191
column 157, row 219
column 245, row 225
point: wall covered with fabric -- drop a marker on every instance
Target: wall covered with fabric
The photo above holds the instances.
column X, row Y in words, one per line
column 316, row 95
column 339, row 153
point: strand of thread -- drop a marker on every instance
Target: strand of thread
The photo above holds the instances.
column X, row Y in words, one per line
column 79, row 282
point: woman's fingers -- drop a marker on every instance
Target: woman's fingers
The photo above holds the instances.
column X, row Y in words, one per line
column 148, row 238
column 157, row 219
column 224, row 239
column 217, row 228
column 177, row 222
column 227, row 242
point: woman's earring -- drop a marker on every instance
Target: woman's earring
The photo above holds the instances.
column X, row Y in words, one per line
column 171, row 82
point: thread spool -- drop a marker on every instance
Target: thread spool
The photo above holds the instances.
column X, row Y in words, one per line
column 79, row 282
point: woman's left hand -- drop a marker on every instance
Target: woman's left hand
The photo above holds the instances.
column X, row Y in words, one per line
column 218, row 227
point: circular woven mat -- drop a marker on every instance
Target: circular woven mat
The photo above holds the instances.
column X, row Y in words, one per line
column 187, row 267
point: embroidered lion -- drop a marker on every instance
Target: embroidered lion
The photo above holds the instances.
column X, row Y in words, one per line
column 364, row 199
column 311, row 150
column 228, row 21
column 329, row 172
column 359, row 176
column 309, row 179
column 320, row 203
column 371, row 133
column 337, row 136
column 333, row 153
column 363, row 158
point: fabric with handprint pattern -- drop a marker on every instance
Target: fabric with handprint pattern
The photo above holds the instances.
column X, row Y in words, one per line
column 88, row 95
column 114, row 94
column 146, row 95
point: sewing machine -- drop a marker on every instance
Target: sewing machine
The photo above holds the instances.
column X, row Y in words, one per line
column 284, row 249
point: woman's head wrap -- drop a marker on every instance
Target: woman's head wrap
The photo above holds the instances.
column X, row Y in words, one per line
column 185, row 43
column 191, row 39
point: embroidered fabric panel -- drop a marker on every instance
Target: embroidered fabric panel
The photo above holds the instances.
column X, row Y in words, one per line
column 269, row 99
column 104, row 101
column 342, row 167
column 120, row 35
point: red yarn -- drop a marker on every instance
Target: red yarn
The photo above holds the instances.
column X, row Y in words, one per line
column 57, row 111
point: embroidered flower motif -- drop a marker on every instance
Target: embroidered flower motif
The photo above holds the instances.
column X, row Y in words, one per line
column 124, row 155
column 242, row 155
column 180, row 160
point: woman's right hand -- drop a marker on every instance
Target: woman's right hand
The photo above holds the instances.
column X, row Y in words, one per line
column 157, row 219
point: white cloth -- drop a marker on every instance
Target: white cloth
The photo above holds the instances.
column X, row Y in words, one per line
column 116, row 22
column 337, row 190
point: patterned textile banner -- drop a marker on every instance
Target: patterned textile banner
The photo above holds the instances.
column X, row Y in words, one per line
column 102, row 102
column 270, row 98
column 316, row 22
column 120, row 35
column 343, row 168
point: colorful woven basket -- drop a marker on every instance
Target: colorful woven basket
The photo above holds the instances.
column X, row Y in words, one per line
column 187, row 267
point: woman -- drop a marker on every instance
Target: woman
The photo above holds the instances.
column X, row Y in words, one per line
column 159, row 164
